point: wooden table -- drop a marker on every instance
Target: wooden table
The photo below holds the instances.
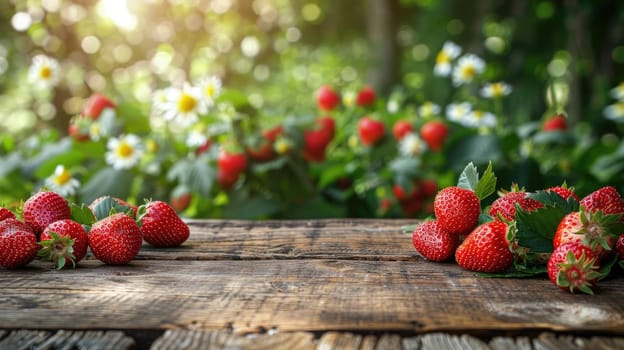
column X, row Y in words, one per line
column 322, row 284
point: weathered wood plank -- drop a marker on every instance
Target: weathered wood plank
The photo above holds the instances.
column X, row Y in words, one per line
column 180, row 339
column 360, row 239
column 506, row 343
column 66, row 340
column 23, row 339
column 298, row 295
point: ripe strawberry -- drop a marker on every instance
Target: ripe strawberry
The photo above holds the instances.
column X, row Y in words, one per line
column 428, row 188
column 433, row 242
column 370, row 130
column 505, row 206
column 18, row 243
column 6, row 214
column 590, row 229
column 226, row 180
column 95, row 105
column 116, row 239
column 232, row 163
column 101, row 207
column 161, row 226
column 619, row 247
column 203, row 148
column 606, row 199
column 365, row 97
column 326, row 98
column 316, row 140
column 78, row 128
column 181, row 201
column 555, row 123
column 401, row 128
column 485, row 249
column 43, row 208
column 573, row 267
column 434, row 132
column 563, row 191
column 63, row 242
column 457, row 209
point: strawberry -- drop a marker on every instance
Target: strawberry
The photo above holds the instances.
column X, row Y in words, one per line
column 428, row 187
column 6, row 214
column 63, row 242
column 592, row 229
column 203, row 148
column 434, row 133
column 365, row 97
column 457, row 209
column 401, row 128
column 102, row 206
column 505, row 206
column 370, row 130
column 606, row 199
column 573, row 267
column 180, row 201
column 619, row 247
column 433, row 242
column 485, row 249
column 95, row 105
column 116, row 239
column 564, row 191
column 18, row 243
column 326, row 98
column 161, row 226
column 43, row 208
column 226, row 180
column 232, row 163
column 555, row 123
column 316, row 140
column 78, row 128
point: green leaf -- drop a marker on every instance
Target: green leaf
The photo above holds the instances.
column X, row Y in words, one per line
column 135, row 120
column 479, row 149
column 408, row 166
column 108, row 181
column 536, row 229
column 525, row 273
column 110, row 206
column 469, row 178
column 82, row 214
column 486, row 184
column 551, row 198
column 605, row 267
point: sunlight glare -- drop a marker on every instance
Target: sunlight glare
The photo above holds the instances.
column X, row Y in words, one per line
column 117, row 11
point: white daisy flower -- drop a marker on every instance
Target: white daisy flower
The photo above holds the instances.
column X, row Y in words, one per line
column 184, row 105
column 196, row 138
column 480, row 119
column 211, row 88
column 615, row 112
column 468, row 66
column 412, row 145
column 449, row 52
column 62, row 182
column 44, row 71
column 457, row 112
column 618, row 92
column 159, row 99
column 428, row 109
column 124, row 152
column 495, row 90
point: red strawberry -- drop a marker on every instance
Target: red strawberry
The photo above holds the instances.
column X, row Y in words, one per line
column 485, row 249
column 95, row 104
column 573, row 267
column 457, row 209
column 6, row 214
column 434, row 132
column 505, row 206
column 162, row 227
column 78, row 128
column 365, row 97
column 428, row 188
column 203, row 148
column 232, row 163
column 181, row 201
column 63, row 242
column 433, row 242
column 316, row 140
column 18, row 244
column 326, row 98
column 101, row 207
column 555, row 123
column 401, row 128
column 563, row 191
column 116, row 239
column 44, row 208
column 370, row 130
column 606, row 199
column 589, row 229
column 226, row 180
column 619, row 247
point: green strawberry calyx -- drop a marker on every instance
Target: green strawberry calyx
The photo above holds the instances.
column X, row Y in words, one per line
column 578, row 273
column 58, row 249
column 597, row 227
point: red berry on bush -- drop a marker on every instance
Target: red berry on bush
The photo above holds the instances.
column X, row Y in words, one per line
column 370, row 130
column 555, row 123
column 401, row 128
column 95, row 105
column 316, row 140
column 434, row 132
column 365, row 97
column 326, row 98
column 232, row 163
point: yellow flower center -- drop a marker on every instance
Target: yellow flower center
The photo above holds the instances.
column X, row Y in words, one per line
column 186, row 103
column 152, row 146
column 124, row 150
column 45, row 72
column 210, row 90
column 62, row 178
column 442, row 58
column 468, row 72
column 479, row 114
column 497, row 89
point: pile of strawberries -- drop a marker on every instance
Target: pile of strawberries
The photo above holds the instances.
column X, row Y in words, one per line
column 60, row 232
column 521, row 234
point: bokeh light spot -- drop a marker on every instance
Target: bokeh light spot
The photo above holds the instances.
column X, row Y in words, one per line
column 21, row 21
column 90, row 44
column 311, row 12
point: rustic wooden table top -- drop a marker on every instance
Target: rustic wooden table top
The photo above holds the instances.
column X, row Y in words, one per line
column 331, row 284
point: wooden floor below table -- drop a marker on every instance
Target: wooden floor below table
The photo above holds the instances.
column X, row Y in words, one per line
column 327, row 284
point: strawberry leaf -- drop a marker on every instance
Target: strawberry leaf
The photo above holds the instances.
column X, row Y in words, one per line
column 82, row 214
column 551, row 198
column 469, row 177
column 486, row 184
column 536, row 229
column 524, row 273
column 109, row 206
column 605, row 267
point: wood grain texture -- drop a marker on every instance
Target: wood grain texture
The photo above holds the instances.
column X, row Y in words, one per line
column 65, row 340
